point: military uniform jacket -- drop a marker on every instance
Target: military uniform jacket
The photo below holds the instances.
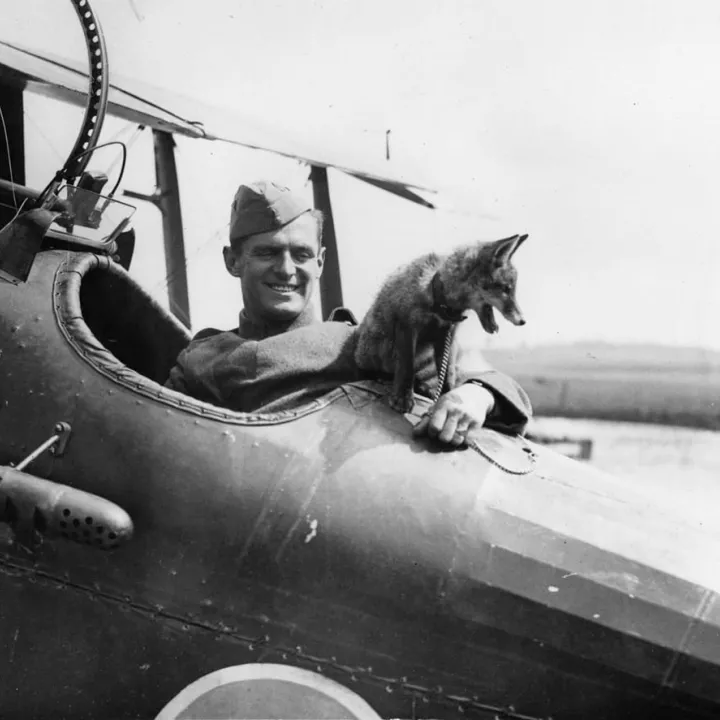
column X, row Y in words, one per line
column 256, row 368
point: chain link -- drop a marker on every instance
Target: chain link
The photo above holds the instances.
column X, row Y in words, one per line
column 532, row 456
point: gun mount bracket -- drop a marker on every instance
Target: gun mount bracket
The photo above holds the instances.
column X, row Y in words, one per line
column 56, row 444
column 62, row 430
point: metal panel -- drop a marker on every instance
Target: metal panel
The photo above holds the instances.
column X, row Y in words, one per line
column 334, row 541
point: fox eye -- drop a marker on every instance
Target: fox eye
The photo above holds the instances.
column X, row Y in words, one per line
column 506, row 289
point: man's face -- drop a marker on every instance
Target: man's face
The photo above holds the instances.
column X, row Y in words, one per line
column 278, row 269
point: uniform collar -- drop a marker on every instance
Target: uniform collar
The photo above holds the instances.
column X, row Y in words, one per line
column 259, row 329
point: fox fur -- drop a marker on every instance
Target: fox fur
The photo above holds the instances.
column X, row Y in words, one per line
column 419, row 302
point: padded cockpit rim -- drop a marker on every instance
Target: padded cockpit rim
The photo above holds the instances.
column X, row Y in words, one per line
column 69, row 317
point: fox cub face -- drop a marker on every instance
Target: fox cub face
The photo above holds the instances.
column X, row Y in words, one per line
column 493, row 283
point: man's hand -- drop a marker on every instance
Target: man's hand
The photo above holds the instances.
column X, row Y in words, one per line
column 456, row 413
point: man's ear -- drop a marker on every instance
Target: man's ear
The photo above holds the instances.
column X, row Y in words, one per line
column 321, row 260
column 232, row 261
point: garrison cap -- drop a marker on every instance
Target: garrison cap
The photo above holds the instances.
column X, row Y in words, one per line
column 263, row 206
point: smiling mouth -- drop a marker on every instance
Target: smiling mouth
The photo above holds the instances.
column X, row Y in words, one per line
column 277, row 287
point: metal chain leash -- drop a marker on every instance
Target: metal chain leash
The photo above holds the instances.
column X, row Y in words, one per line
column 442, row 374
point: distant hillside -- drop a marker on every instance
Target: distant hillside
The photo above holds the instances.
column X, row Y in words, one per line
column 636, row 383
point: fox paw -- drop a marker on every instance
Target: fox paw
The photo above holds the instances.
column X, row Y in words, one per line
column 402, row 403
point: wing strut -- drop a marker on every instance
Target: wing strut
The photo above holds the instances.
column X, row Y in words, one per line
column 167, row 199
column 330, row 285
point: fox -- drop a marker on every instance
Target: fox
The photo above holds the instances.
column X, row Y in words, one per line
column 418, row 304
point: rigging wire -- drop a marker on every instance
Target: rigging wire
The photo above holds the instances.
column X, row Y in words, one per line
column 163, row 284
column 10, row 169
column 15, row 217
column 44, row 136
column 131, row 129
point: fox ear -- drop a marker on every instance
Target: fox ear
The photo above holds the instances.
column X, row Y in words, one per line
column 505, row 249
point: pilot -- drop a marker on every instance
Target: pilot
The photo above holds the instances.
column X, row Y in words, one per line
column 280, row 356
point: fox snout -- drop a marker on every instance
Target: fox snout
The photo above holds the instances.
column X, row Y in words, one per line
column 512, row 314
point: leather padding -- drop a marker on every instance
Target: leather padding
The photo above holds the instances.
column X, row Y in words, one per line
column 98, row 306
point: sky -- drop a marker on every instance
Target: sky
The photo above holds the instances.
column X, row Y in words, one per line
column 592, row 126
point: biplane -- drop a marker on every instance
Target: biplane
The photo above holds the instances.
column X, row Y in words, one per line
column 164, row 557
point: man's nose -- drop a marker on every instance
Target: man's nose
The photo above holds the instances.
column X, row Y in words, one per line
column 285, row 265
